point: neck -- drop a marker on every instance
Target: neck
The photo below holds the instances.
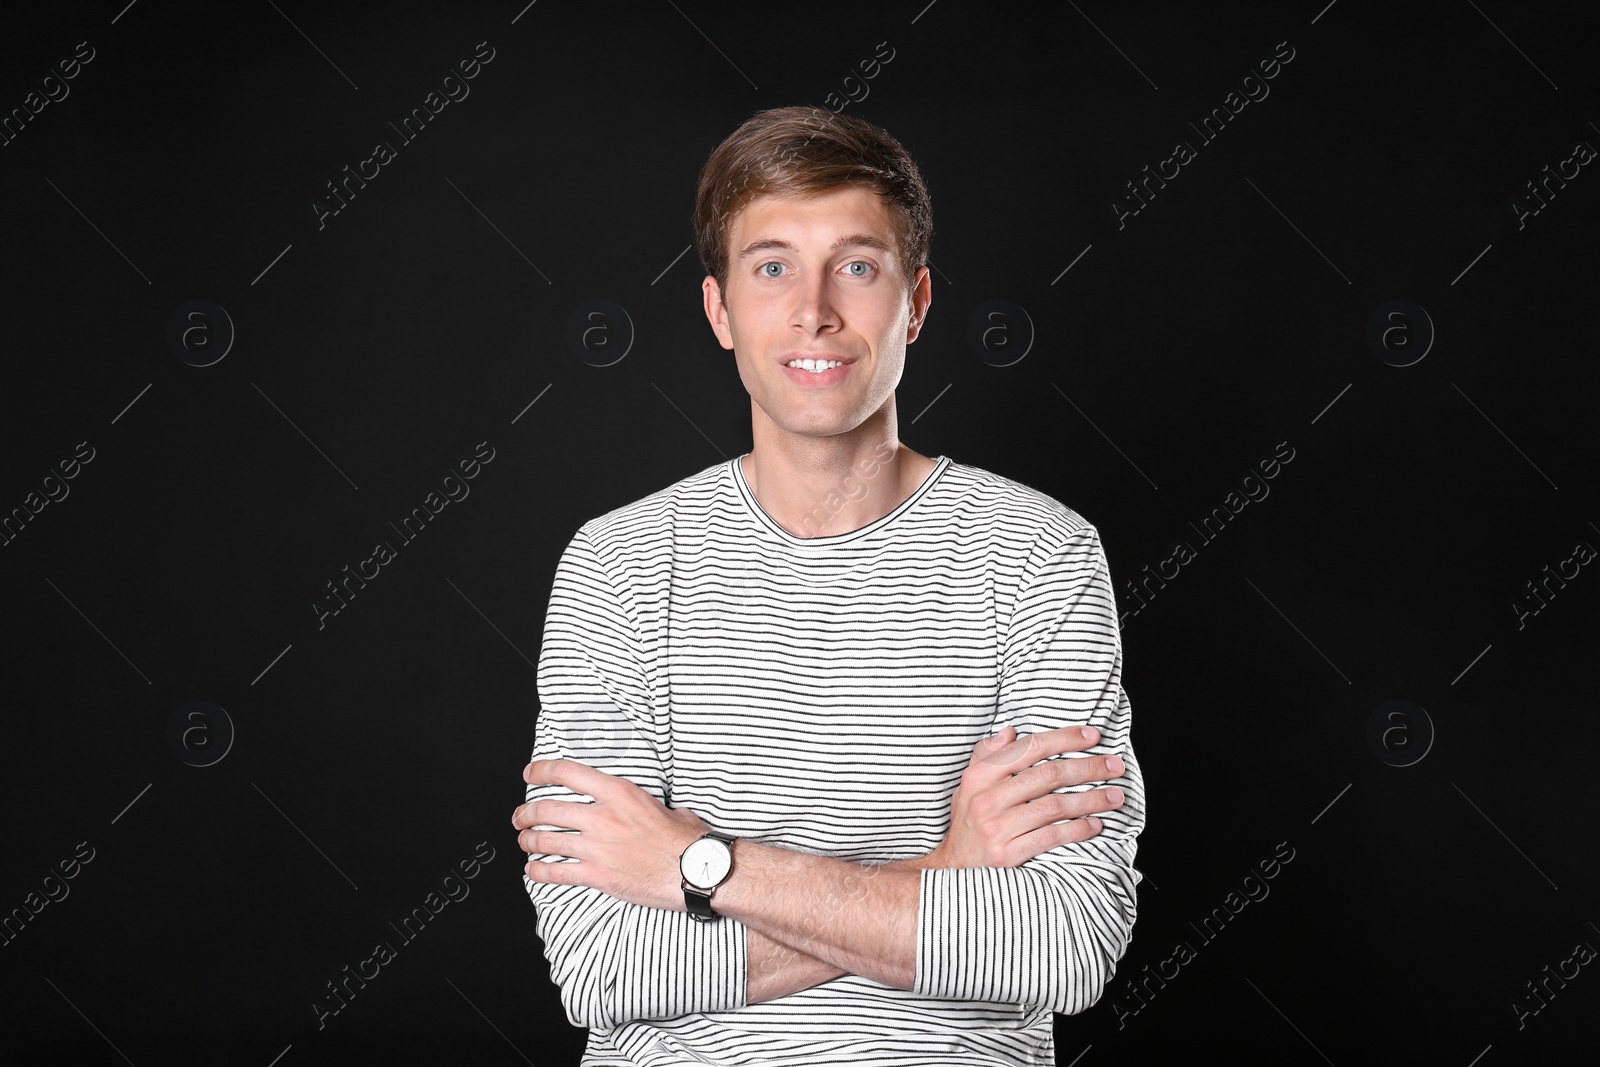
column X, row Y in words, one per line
column 821, row 486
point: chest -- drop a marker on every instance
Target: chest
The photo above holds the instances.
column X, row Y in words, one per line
column 831, row 709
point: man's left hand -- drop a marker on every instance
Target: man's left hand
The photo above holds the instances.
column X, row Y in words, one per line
column 626, row 843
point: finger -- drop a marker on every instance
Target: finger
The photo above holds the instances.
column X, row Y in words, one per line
column 562, row 843
column 995, row 742
column 545, row 812
column 1064, row 739
column 1047, row 777
column 989, row 762
column 1050, row 837
column 1008, row 752
column 578, row 777
column 1055, row 807
column 1029, row 749
column 553, row 873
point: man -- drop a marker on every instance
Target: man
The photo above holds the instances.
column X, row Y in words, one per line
column 776, row 813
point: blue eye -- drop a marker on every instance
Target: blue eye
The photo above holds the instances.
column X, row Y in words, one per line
column 867, row 269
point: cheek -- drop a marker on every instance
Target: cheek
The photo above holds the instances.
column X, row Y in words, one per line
column 894, row 369
column 752, row 382
column 890, row 346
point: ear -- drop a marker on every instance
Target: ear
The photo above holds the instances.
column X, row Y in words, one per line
column 921, row 300
column 716, row 312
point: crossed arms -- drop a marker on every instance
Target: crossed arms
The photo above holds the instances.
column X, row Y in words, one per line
column 603, row 871
column 627, row 844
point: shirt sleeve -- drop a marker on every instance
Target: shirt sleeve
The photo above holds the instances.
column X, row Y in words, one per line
column 614, row 961
column 1050, row 932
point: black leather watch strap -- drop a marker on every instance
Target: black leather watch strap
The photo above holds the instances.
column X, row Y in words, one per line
column 698, row 904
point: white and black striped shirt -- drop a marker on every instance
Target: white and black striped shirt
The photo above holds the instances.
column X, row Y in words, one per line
column 824, row 694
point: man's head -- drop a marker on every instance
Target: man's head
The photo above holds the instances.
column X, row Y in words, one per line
column 814, row 231
column 799, row 152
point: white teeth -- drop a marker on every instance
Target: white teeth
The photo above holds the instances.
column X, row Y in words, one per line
column 815, row 366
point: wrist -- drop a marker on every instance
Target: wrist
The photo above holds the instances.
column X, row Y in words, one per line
column 858, row 918
column 704, row 865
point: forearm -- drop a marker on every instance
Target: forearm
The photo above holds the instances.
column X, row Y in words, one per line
column 850, row 918
column 777, row 969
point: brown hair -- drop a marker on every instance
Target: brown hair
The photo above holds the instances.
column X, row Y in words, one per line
column 797, row 152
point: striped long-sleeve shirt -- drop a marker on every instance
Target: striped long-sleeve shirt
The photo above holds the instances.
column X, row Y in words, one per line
column 824, row 694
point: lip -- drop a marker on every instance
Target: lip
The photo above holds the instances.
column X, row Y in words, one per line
column 811, row 380
column 783, row 360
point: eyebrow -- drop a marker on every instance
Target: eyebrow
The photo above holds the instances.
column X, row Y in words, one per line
column 849, row 240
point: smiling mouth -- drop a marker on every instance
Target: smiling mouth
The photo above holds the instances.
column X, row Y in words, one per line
column 815, row 366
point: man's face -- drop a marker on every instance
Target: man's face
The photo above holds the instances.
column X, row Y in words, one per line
column 821, row 279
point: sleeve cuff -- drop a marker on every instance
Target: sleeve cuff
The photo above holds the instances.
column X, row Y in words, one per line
column 976, row 925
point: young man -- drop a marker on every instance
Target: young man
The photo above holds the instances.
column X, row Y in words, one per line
column 795, row 794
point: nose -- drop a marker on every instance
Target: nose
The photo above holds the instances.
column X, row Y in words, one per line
column 814, row 310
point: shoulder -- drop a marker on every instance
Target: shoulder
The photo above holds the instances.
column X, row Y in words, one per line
column 647, row 525
column 1045, row 555
column 1011, row 510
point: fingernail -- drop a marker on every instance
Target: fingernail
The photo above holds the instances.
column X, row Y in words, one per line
column 1090, row 733
column 1113, row 795
column 1094, row 823
column 1115, row 765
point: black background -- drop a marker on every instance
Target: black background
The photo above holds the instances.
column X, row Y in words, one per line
column 374, row 352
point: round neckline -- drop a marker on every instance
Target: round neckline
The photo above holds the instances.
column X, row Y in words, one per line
column 736, row 468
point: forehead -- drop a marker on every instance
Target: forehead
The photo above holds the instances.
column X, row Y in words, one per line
column 827, row 221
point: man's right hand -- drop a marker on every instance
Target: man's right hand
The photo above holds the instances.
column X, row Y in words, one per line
column 1006, row 810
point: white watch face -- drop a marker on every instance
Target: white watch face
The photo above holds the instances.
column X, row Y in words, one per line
column 706, row 862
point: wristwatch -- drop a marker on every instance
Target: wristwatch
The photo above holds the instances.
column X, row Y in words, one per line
column 705, row 865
